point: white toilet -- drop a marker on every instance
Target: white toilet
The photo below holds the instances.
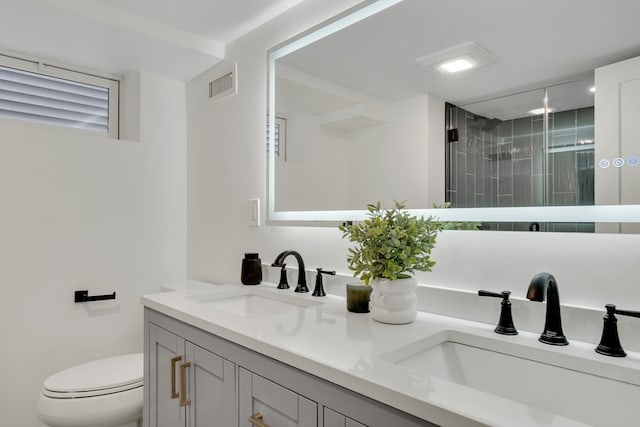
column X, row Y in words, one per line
column 102, row 393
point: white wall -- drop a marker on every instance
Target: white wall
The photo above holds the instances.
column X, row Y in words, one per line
column 398, row 149
column 226, row 167
column 330, row 169
column 315, row 172
column 84, row 212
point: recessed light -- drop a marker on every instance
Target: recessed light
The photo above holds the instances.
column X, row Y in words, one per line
column 456, row 65
column 458, row 58
column 538, row 111
column 592, row 89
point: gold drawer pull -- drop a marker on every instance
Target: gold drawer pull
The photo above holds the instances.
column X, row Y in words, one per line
column 256, row 420
column 174, row 393
column 183, row 384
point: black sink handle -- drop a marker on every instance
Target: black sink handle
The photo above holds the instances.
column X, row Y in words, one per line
column 610, row 341
column 505, row 324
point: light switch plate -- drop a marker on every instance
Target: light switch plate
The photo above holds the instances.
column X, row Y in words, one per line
column 254, row 212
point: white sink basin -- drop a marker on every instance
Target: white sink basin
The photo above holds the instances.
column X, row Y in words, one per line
column 255, row 302
column 595, row 392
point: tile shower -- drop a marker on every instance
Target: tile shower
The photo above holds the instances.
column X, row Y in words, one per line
column 497, row 163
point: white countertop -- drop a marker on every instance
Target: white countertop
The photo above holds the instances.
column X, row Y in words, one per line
column 345, row 348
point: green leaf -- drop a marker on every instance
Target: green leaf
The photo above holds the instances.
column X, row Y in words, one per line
column 391, row 243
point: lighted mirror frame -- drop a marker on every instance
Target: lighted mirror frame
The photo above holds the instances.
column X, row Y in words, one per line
column 595, row 213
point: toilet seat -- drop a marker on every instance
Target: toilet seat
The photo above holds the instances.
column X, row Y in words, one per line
column 97, row 378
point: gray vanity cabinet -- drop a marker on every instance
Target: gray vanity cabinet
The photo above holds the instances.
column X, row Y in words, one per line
column 334, row 419
column 188, row 385
column 227, row 384
column 271, row 404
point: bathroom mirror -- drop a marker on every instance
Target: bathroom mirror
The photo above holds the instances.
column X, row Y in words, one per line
column 368, row 116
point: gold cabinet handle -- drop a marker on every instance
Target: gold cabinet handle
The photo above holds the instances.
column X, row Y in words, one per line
column 256, row 420
column 183, row 384
column 174, row 393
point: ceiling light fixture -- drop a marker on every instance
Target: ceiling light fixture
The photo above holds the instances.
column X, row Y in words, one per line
column 458, row 58
column 537, row 111
column 456, row 65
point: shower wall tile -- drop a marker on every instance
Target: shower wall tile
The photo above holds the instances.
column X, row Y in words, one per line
column 522, row 136
column 585, row 121
column 452, row 164
column 564, row 120
column 461, row 176
column 565, row 173
column 494, row 191
column 564, row 199
column 505, row 200
column 538, row 182
column 586, row 175
column 505, row 186
column 522, row 183
column 470, row 195
column 506, row 166
column 472, row 144
column 537, row 145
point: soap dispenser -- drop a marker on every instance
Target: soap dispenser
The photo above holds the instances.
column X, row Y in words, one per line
column 251, row 269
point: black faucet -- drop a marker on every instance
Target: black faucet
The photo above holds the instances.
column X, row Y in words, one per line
column 302, row 279
column 610, row 341
column 540, row 283
column 505, row 324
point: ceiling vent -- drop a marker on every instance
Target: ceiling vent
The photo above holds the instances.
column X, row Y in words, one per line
column 225, row 85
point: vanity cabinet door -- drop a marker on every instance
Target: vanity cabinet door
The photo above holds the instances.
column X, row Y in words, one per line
column 212, row 389
column 188, row 385
column 272, row 405
column 166, row 353
column 333, row 419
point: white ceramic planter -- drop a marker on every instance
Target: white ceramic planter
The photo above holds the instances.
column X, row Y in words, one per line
column 394, row 301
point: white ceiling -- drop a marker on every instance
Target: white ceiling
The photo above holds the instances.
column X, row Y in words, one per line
column 536, row 43
column 176, row 38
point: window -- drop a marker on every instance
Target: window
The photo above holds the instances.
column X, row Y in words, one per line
column 47, row 94
column 279, row 139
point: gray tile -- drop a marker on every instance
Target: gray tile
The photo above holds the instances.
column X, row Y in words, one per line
column 522, row 137
column 522, row 183
column 564, row 120
column 537, row 198
column 470, row 196
column 586, row 227
column 494, row 192
column 460, row 177
column 505, row 130
column 537, row 147
column 505, row 226
column 472, row 149
column 585, row 121
column 567, row 139
column 505, row 162
column 564, row 199
column 565, row 227
column 564, row 172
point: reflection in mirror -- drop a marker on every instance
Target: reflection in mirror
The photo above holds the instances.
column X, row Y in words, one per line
column 507, row 152
column 370, row 117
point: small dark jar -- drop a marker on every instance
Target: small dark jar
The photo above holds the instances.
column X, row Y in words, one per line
column 251, row 269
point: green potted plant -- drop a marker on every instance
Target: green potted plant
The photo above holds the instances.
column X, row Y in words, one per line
column 391, row 245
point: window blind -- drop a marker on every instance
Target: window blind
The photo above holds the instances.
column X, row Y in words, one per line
column 36, row 97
